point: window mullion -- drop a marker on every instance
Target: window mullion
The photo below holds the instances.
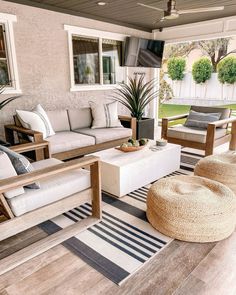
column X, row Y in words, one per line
column 100, row 61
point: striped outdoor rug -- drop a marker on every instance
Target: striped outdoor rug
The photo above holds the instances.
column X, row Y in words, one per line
column 123, row 241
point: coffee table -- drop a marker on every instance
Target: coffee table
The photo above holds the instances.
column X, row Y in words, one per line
column 123, row 173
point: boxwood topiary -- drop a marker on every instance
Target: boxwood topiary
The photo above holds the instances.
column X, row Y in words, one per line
column 176, row 67
column 202, row 70
column 227, row 70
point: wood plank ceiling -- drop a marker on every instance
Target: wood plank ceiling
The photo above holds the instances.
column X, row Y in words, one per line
column 128, row 13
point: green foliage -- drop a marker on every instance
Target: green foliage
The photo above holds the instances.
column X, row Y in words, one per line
column 136, row 95
column 202, row 70
column 227, row 70
column 165, row 91
column 176, row 67
column 7, row 100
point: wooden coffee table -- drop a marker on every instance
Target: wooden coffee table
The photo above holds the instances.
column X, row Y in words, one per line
column 123, row 173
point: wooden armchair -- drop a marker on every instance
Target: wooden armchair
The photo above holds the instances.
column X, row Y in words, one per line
column 216, row 133
column 17, row 224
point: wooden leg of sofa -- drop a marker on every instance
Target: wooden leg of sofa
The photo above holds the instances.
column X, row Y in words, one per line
column 96, row 190
column 164, row 128
column 39, row 154
column 210, row 139
column 4, row 207
column 232, row 145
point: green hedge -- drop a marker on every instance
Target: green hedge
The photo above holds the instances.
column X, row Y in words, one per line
column 202, row 70
column 227, row 70
column 176, row 67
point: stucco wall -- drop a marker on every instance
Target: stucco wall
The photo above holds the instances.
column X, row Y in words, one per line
column 43, row 60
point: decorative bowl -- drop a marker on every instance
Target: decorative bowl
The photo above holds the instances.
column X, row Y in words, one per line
column 161, row 142
column 129, row 149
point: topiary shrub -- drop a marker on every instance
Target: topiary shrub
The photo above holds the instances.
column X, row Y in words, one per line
column 176, row 67
column 227, row 70
column 202, row 70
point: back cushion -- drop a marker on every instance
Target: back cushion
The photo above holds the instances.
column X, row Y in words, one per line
column 7, row 170
column 59, row 120
column 80, row 118
column 225, row 113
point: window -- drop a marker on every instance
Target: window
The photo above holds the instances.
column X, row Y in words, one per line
column 4, row 66
column 8, row 65
column 95, row 58
column 87, row 58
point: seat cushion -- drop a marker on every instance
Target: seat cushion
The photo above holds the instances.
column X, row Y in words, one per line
column 80, row 118
column 106, row 134
column 191, row 134
column 52, row 189
column 59, row 120
column 68, row 140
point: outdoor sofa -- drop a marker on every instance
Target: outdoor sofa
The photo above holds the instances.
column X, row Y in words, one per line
column 73, row 133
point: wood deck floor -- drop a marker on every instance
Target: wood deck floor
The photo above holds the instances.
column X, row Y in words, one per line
column 181, row 268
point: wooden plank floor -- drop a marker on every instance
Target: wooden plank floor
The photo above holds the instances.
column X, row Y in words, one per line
column 181, row 268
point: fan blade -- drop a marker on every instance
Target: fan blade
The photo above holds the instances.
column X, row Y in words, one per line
column 151, row 7
column 197, row 10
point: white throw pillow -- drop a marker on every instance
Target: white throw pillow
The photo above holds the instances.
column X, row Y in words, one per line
column 36, row 120
column 105, row 115
column 7, row 170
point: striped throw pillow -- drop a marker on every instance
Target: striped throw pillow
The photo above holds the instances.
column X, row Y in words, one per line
column 201, row 120
column 105, row 115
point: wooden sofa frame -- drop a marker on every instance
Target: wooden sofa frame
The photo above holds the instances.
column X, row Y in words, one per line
column 211, row 142
column 38, row 137
column 14, row 225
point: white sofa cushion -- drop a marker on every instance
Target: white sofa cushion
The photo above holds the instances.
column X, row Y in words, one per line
column 106, row 134
column 69, row 140
column 105, row 115
column 37, row 120
column 191, row 134
column 80, row 118
column 7, row 170
column 52, row 189
column 59, row 120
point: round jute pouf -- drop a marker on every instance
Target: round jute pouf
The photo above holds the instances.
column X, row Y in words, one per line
column 191, row 208
column 221, row 168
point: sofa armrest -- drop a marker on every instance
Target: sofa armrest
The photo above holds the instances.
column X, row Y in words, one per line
column 28, row 147
column 132, row 122
column 25, row 179
column 165, row 123
column 177, row 117
column 10, row 129
column 220, row 123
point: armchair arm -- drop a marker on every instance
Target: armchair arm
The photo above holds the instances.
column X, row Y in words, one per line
column 28, row 147
column 177, row 117
column 132, row 121
column 223, row 122
column 25, row 179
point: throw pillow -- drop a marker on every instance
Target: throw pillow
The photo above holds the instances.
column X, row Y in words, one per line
column 7, row 170
column 21, row 164
column 201, row 120
column 36, row 120
column 105, row 115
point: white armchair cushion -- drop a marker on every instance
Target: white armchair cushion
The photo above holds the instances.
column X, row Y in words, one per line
column 7, row 170
column 52, row 189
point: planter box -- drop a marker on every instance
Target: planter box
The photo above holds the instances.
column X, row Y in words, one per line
column 145, row 128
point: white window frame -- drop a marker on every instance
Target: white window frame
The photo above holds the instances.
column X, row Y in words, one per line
column 85, row 32
column 7, row 21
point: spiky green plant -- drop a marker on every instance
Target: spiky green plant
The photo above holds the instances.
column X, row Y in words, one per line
column 136, row 95
column 7, row 100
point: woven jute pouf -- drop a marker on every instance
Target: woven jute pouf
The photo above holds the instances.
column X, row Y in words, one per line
column 221, row 168
column 191, row 208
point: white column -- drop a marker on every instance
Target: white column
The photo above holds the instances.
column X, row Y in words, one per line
column 154, row 105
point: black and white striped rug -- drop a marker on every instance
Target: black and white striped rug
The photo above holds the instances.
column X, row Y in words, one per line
column 123, row 241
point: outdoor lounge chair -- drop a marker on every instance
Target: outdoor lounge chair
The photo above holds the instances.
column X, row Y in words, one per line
column 215, row 133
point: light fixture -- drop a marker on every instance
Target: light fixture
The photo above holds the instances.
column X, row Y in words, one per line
column 101, row 3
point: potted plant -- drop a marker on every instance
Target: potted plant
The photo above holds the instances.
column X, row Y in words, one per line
column 135, row 96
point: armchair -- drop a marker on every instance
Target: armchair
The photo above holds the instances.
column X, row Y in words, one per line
column 26, row 210
column 203, row 139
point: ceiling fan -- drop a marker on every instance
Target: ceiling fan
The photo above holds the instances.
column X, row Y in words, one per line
column 172, row 12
